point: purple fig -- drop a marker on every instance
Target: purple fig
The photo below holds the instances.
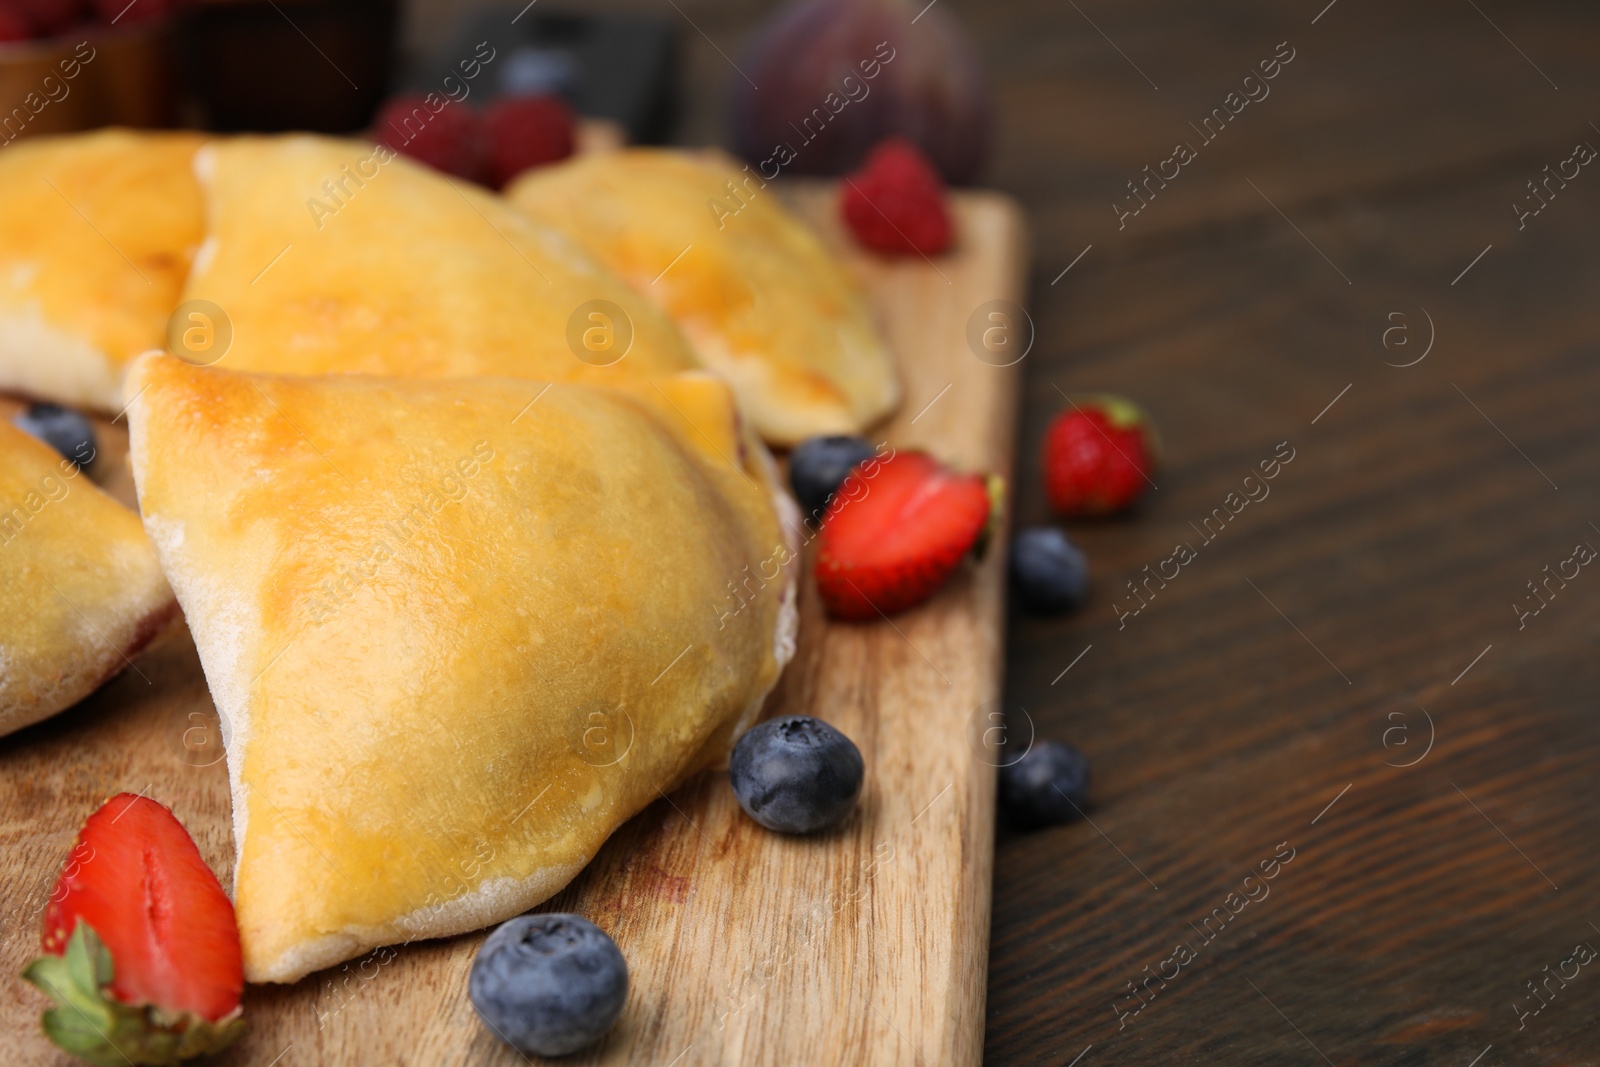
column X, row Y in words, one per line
column 836, row 77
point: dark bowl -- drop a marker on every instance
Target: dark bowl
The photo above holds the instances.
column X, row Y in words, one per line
column 321, row 65
column 93, row 76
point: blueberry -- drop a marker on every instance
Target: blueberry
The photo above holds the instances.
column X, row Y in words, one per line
column 61, row 428
column 1049, row 574
column 1047, row 786
column 796, row 774
column 817, row 466
column 549, row 984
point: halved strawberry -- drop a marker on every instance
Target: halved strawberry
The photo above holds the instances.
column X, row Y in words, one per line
column 895, row 532
column 141, row 947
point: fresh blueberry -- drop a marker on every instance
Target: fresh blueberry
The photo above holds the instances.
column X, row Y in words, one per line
column 796, row 774
column 549, row 984
column 817, row 466
column 61, row 428
column 1049, row 574
column 1047, row 786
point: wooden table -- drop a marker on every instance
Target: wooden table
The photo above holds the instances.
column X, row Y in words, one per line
column 1271, row 692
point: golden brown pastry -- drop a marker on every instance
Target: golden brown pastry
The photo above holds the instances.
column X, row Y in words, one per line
column 97, row 232
column 755, row 291
column 332, row 256
column 80, row 589
column 457, row 630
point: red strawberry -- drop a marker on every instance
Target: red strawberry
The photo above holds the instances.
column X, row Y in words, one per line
column 450, row 138
column 896, row 530
column 1098, row 456
column 526, row 131
column 141, row 947
column 895, row 203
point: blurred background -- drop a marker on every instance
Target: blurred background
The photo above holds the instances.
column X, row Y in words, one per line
column 1389, row 168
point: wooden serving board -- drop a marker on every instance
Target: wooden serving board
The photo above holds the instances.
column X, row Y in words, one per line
column 868, row 944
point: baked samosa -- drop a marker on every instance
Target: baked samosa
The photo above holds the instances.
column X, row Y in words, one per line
column 81, row 591
column 97, row 232
column 333, row 256
column 760, row 298
column 457, row 630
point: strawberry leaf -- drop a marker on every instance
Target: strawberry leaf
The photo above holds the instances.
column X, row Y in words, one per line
column 995, row 486
column 88, row 959
column 88, row 1023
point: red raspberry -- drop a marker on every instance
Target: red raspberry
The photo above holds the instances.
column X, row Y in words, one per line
column 1098, row 455
column 527, row 131
column 895, row 203
column 450, row 139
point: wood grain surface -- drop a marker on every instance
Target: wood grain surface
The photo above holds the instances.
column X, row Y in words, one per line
column 864, row 945
column 1394, row 144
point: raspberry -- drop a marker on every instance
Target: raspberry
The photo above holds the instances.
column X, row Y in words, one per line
column 895, row 203
column 450, row 139
column 526, row 131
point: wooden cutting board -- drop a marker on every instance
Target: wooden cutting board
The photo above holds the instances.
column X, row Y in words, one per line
column 865, row 945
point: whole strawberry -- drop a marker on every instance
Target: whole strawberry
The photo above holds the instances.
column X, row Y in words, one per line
column 895, row 203
column 451, row 139
column 524, row 132
column 896, row 530
column 1099, row 455
column 141, row 947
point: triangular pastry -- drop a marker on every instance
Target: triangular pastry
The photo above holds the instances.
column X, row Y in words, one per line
column 331, row 256
column 457, row 630
column 97, row 232
column 80, row 589
column 758, row 295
